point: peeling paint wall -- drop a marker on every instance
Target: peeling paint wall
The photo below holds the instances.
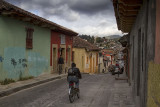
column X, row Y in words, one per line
column 37, row 63
column 15, row 60
column 153, row 99
column 142, row 50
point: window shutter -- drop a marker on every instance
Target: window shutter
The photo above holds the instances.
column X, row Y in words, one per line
column 29, row 38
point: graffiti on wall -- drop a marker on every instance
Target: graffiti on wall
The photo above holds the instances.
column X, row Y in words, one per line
column 14, row 61
column 22, row 62
column 18, row 62
column 1, row 59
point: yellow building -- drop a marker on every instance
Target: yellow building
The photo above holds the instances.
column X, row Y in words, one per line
column 85, row 55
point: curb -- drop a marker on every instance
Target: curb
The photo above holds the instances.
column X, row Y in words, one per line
column 16, row 89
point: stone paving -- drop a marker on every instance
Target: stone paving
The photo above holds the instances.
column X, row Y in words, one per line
column 20, row 85
column 121, row 94
column 109, row 92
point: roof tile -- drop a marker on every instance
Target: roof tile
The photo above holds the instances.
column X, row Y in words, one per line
column 80, row 43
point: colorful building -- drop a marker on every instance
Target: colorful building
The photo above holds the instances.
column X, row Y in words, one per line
column 25, row 42
column 108, row 56
column 85, row 55
column 61, row 44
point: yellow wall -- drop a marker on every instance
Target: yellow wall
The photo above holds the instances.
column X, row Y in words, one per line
column 153, row 85
column 80, row 58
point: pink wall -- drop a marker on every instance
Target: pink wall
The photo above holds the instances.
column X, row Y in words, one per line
column 157, row 44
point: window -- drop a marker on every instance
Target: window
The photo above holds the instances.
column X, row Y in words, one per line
column 96, row 59
column 63, row 39
column 87, row 59
column 29, row 38
column 73, row 56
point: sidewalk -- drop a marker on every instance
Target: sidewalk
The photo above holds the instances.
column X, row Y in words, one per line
column 121, row 93
column 20, row 85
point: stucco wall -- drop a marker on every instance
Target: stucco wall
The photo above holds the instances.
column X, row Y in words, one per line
column 142, row 50
column 157, row 45
column 16, row 59
column 78, row 54
column 153, row 98
column 56, row 39
column 153, row 85
column 81, row 54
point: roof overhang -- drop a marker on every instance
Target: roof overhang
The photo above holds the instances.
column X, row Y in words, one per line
column 126, row 12
column 9, row 10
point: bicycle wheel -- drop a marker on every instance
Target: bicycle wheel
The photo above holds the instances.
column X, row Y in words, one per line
column 71, row 95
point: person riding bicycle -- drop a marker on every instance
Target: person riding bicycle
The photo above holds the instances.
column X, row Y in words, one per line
column 74, row 75
column 60, row 64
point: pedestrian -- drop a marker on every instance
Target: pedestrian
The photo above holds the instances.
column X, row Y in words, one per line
column 60, row 64
column 104, row 62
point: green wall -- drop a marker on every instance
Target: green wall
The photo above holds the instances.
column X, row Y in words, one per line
column 15, row 59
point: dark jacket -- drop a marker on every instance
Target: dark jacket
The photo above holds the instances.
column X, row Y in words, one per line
column 76, row 72
column 60, row 60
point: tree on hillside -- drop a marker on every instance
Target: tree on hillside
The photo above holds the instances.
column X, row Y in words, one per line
column 99, row 40
column 88, row 38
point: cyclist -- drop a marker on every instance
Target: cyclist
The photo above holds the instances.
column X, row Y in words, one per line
column 74, row 75
column 60, row 64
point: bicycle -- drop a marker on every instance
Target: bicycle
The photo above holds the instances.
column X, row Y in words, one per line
column 73, row 92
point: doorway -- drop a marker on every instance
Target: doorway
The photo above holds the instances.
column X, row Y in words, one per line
column 90, row 63
column 69, row 56
column 63, row 53
column 54, row 58
column 93, row 65
column 139, row 62
column 82, row 63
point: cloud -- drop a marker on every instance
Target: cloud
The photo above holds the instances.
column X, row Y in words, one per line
column 93, row 17
column 91, row 7
column 62, row 12
column 98, row 31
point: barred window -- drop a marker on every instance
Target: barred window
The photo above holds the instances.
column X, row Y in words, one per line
column 63, row 40
column 29, row 38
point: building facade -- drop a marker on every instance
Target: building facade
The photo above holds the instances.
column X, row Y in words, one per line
column 85, row 55
column 142, row 24
column 25, row 42
column 61, row 44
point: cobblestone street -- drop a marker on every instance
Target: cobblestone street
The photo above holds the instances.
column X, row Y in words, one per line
column 98, row 90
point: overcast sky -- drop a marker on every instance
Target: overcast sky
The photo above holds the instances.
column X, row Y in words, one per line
column 90, row 17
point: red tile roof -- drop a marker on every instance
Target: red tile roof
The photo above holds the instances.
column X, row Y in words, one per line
column 10, row 10
column 80, row 43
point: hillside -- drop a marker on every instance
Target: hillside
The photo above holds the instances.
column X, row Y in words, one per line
column 112, row 36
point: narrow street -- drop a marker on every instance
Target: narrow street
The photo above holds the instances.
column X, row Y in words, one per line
column 98, row 90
